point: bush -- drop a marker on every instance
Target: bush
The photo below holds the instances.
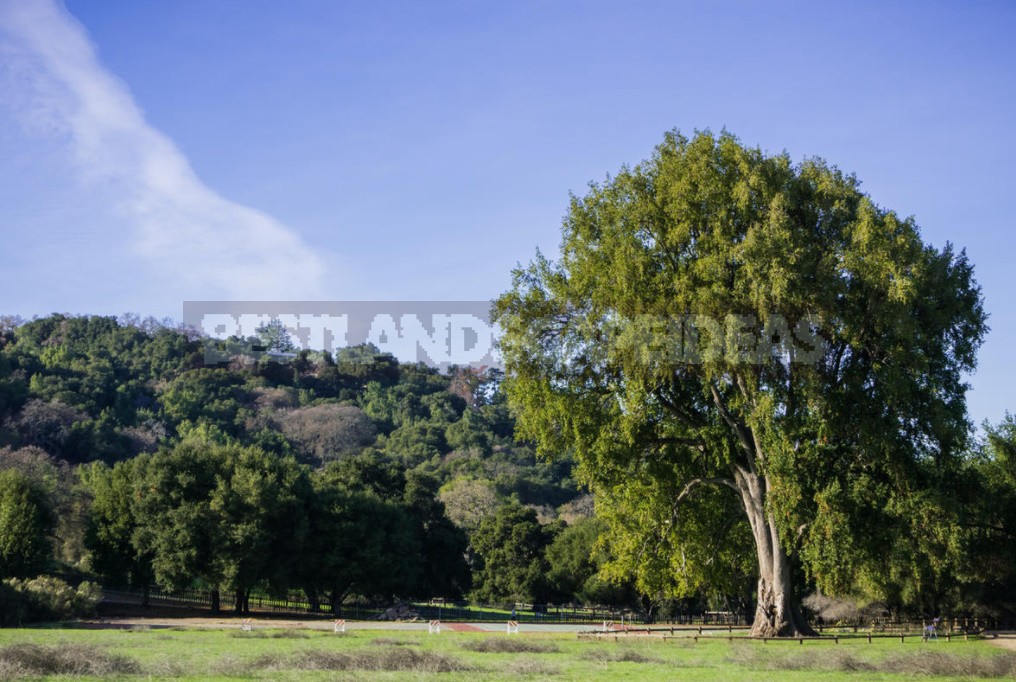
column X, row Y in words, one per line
column 45, row 599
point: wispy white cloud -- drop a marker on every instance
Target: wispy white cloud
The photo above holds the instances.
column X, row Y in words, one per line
column 207, row 245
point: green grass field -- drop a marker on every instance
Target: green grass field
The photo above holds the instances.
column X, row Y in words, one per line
column 379, row 655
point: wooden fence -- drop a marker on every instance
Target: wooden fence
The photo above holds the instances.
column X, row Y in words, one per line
column 296, row 604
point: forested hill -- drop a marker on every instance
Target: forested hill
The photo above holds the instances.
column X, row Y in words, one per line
column 94, row 389
column 127, row 460
column 363, row 462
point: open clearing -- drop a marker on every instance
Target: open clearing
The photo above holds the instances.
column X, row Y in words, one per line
column 298, row 653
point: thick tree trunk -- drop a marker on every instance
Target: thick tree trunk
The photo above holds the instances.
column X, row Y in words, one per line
column 238, row 606
column 776, row 614
column 216, row 602
column 313, row 599
column 336, row 602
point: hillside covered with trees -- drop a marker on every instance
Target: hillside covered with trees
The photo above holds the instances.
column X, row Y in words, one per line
column 127, row 461
column 126, row 458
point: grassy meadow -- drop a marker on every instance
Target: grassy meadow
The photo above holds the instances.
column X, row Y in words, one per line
column 385, row 655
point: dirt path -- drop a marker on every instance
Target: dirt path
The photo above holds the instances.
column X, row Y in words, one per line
column 225, row 623
column 1006, row 641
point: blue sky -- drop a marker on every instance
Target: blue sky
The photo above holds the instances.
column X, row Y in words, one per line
column 413, row 151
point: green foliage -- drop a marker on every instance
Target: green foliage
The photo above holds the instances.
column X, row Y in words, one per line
column 443, row 545
column 576, row 560
column 230, row 515
column 56, row 480
column 274, row 336
column 469, row 433
column 469, row 501
column 509, row 552
column 111, row 534
column 260, row 507
column 359, row 544
column 45, row 599
column 201, row 484
column 724, row 319
column 986, row 489
column 209, row 396
column 26, row 523
column 195, row 481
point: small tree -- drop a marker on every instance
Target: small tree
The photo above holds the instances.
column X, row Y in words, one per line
column 275, row 337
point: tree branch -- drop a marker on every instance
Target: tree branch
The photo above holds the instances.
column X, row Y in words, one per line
column 683, row 415
column 695, row 482
column 739, row 429
column 696, row 443
column 688, row 487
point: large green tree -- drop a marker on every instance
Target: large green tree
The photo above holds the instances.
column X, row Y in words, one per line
column 233, row 516
column 509, row 552
column 724, row 319
column 26, row 523
column 359, row 543
column 113, row 524
column 988, row 491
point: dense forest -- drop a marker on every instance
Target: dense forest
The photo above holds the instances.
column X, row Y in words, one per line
column 127, row 461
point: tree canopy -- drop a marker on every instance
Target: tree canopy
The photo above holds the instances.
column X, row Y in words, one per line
column 722, row 321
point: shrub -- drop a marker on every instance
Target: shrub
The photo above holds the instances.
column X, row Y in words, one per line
column 45, row 599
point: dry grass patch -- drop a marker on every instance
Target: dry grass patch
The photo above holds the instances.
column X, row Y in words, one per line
column 507, row 645
column 271, row 634
column 33, row 660
column 619, row 656
column 914, row 663
column 942, row 663
column 521, row 667
column 391, row 641
column 386, row 659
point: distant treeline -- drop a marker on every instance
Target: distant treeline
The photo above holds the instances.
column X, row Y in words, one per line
column 126, row 458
